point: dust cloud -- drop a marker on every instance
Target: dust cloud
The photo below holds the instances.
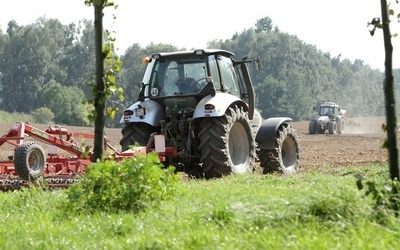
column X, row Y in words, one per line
column 364, row 125
column 353, row 126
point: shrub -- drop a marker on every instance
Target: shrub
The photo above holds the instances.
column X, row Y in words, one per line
column 132, row 184
column 14, row 117
column 43, row 115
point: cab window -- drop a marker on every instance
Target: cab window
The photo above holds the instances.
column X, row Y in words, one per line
column 229, row 76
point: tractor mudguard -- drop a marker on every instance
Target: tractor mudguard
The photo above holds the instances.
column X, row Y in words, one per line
column 221, row 102
column 265, row 137
column 147, row 111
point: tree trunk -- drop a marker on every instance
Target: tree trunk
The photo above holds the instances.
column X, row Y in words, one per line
column 391, row 120
column 99, row 99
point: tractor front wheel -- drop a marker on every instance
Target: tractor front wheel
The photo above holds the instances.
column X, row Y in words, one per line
column 227, row 144
column 332, row 128
column 285, row 156
column 312, row 127
column 29, row 161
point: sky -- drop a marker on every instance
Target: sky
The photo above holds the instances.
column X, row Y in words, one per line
column 337, row 27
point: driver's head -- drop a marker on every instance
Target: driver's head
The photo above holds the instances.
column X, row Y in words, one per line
column 187, row 85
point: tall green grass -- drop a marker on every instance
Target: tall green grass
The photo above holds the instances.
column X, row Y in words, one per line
column 314, row 210
column 14, row 117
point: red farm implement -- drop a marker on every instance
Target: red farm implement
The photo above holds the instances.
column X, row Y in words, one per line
column 27, row 162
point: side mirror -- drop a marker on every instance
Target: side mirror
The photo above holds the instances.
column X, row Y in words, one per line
column 208, row 89
column 141, row 93
column 210, row 85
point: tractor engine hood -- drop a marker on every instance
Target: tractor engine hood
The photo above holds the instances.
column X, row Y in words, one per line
column 323, row 119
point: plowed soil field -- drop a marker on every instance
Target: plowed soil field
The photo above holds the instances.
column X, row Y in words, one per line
column 360, row 144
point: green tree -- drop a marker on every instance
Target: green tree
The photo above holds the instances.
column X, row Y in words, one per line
column 66, row 104
column 3, row 41
column 105, row 80
column 390, row 104
column 29, row 61
column 78, row 61
column 305, row 75
column 13, row 73
column 388, row 196
column 264, row 24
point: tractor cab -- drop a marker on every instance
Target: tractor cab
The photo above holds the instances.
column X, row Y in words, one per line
column 187, row 73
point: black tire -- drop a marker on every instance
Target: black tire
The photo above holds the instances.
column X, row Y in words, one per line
column 285, row 156
column 227, row 144
column 312, row 127
column 332, row 128
column 29, row 161
column 340, row 126
column 320, row 130
column 135, row 133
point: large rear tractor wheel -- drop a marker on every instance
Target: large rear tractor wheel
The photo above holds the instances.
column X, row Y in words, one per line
column 227, row 144
column 135, row 133
column 285, row 156
column 29, row 161
column 312, row 127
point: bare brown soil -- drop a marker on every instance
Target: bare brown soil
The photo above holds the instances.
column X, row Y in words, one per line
column 361, row 143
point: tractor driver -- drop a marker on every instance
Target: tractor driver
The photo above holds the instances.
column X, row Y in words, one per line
column 188, row 85
column 328, row 111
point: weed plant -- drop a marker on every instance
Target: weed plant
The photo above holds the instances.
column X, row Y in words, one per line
column 132, row 184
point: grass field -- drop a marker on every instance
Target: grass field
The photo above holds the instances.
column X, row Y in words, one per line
column 320, row 208
column 313, row 210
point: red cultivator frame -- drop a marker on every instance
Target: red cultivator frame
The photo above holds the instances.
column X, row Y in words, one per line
column 29, row 163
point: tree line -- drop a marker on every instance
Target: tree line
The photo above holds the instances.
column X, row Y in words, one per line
column 46, row 69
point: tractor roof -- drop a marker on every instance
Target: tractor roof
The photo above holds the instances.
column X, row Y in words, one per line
column 329, row 104
column 189, row 53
